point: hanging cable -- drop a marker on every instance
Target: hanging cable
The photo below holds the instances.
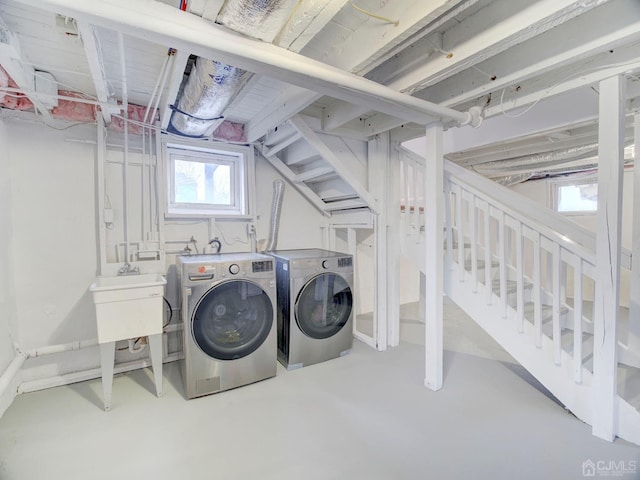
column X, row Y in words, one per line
column 373, row 15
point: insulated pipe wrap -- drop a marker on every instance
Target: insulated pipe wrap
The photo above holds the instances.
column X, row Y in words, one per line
column 208, row 91
column 260, row 19
column 276, row 207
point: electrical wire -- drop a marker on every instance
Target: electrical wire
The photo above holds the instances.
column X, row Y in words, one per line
column 276, row 40
column 552, row 87
column 170, row 312
column 443, row 52
column 235, row 239
column 373, row 15
column 62, row 84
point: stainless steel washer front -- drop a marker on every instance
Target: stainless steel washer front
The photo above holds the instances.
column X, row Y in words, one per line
column 315, row 305
column 229, row 321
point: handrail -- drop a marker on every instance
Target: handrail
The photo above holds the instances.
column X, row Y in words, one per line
column 562, row 227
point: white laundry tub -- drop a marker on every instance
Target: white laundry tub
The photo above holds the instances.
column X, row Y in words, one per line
column 128, row 306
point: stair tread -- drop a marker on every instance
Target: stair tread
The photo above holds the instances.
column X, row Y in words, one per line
column 480, row 264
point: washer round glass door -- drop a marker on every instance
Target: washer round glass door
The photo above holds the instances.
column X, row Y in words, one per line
column 323, row 305
column 232, row 320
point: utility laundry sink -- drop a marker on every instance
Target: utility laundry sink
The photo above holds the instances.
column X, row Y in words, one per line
column 128, row 306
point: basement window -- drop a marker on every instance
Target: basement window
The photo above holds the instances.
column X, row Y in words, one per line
column 576, row 197
column 208, row 181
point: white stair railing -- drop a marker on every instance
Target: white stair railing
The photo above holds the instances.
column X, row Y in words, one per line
column 523, row 273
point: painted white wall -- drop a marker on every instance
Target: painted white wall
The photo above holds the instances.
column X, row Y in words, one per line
column 52, row 241
column 7, row 287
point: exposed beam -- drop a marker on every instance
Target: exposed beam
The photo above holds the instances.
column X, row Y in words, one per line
column 207, row 9
column 379, row 123
column 596, row 32
column 168, row 97
column 306, row 21
column 360, row 50
column 494, row 29
column 21, row 73
column 281, row 109
column 490, row 33
column 340, row 113
column 434, row 25
column 366, row 45
column 166, row 25
column 96, row 67
column 536, row 95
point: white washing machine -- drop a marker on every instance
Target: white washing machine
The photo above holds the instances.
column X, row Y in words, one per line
column 315, row 305
column 228, row 310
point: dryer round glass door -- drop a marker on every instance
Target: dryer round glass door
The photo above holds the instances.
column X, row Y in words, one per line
column 323, row 306
column 232, row 320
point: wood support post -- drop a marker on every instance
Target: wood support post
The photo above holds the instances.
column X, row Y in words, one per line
column 378, row 155
column 434, row 268
column 608, row 246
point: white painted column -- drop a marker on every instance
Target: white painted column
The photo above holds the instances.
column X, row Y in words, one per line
column 608, row 246
column 393, row 246
column 378, row 169
column 434, row 268
column 634, row 312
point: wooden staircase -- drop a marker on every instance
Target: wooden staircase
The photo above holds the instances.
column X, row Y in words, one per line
column 330, row 171
column 536, row 297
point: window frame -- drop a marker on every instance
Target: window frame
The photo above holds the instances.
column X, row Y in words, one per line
column 242, row 182
column 557, row 184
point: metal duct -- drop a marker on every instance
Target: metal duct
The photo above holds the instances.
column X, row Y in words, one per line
column 208, row 91
column 276, row 207
column 212, row 85
column 261, row 19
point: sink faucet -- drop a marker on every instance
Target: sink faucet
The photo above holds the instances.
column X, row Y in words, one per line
column 127, row 269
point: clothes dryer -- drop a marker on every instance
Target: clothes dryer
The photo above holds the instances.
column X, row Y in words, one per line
column 315, row 305
column 228, row 310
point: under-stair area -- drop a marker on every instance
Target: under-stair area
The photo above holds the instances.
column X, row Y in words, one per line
column 329, row 170
column 540, row 281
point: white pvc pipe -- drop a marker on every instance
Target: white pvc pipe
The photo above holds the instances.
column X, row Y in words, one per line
column 69, row 378
column 152, row 180
column 155, row 88
column 166, row 25
column 12, row 370
column 162, row 84
column 65, row 347
column 125, row 168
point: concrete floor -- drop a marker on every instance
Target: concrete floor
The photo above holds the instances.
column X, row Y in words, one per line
column 363, row 416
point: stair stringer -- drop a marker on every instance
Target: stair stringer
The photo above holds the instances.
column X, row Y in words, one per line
column 304, row 158
column 558, row 379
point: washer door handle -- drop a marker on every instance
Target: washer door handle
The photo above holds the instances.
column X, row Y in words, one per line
column 197, row 277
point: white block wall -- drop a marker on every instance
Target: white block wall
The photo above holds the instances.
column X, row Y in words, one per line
column 49, row 233
column 7, row 285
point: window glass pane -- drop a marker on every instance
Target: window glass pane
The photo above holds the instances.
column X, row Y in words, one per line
column 578, row 198
column 203, row 183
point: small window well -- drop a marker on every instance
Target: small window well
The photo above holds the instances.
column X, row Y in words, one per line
column 207, row 181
